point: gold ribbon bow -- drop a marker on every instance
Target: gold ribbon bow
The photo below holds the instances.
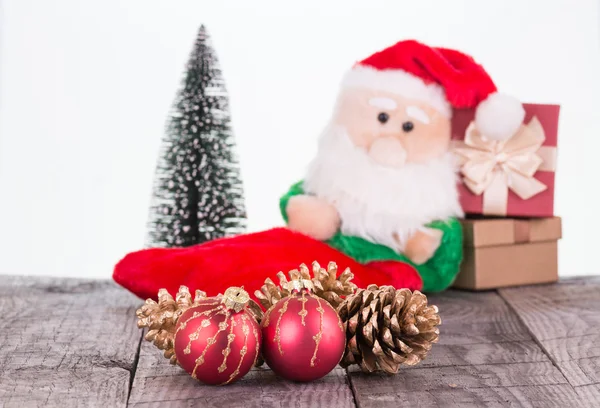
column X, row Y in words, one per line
column 492, row 167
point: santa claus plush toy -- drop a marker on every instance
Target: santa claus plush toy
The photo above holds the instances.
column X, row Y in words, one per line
column 380, row 197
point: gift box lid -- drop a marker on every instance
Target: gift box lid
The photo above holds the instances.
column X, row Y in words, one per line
column 485, row 232
column 547, row 114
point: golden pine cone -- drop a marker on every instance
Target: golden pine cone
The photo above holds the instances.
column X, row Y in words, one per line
column 387, row 328
column 326, row 284
column 161, row 318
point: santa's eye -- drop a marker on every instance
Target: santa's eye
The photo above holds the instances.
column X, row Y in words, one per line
column 383, row 117
column 408, row 126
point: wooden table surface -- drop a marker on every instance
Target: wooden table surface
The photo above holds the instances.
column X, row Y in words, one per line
column 66, row 342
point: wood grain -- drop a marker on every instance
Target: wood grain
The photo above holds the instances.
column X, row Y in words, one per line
column 569, row 309
column 475, row 376
column 590, row 394
column 476, row 317
column 156, row 381
column 542, row 396
column 565, row 320
column 65, row 342
column 485, row 357
column 479, row 328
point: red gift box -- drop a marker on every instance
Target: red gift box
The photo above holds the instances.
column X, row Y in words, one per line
column 514, row 177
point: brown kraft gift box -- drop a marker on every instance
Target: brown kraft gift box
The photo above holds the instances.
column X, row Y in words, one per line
column 501, row 252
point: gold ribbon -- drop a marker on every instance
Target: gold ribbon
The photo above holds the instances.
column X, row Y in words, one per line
column 492, row 167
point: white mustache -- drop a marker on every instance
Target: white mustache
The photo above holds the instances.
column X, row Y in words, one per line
column 389, row 152
column 376, row 192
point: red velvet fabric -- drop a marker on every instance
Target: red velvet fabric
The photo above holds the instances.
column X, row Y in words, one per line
column 465, row 82
column 246, row 260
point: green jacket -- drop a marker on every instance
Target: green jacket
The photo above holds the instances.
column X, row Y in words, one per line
column 438, row 273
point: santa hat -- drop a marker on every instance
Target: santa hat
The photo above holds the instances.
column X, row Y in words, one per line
column 443, row 78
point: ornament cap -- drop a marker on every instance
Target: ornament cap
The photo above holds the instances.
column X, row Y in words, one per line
column 236, row 298
column 296, row 285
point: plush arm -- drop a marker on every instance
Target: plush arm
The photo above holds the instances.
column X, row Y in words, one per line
column 309, row 215
column 440, row 271
column 295, row 190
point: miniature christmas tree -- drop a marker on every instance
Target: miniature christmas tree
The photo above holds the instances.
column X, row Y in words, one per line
column 198, row 193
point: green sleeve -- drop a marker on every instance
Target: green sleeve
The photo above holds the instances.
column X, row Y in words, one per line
column 441, row 270
column 438, row 273
column 296, row 189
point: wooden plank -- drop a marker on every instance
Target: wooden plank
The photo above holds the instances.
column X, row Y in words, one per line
column 476, row 317
column 590, row 394
column 485, row 357
column 541, row 396
column 497, row 385
column 568, row 309
column 484, row 353
column 65, row 342
column 565, row 320
column 574, row 348
column 479, row 328
column 577, row 357
column 158, row 383
column 475, row 376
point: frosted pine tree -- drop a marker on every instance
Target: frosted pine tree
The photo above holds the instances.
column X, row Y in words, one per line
column 198, row 193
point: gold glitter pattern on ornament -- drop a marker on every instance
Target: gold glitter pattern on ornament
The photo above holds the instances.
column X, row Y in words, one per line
column 230, row 338
column 277, row 337
column 212, row 340
column 317, row 337
column 195, row 335
column 196, row 315
column 257, row 352
column 303, row 312
column 243, row 351
column 267, row 316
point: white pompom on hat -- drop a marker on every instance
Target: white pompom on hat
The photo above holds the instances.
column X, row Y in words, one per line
column 445, row 79
column 499, row 116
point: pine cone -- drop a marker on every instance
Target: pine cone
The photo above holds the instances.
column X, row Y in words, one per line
column 330, row 287
column 161, row 318
column 326, row 284
column 386, row 328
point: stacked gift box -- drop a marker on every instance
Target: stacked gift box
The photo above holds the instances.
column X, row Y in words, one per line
column 507, row 193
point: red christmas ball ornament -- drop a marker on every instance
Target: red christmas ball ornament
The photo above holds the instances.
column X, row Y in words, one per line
column 303, row 336
column 218, row 340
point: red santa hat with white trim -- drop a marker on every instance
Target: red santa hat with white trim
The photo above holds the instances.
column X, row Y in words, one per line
column 445, row 79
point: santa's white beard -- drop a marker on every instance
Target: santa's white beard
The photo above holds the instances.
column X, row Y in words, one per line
column 380, row 203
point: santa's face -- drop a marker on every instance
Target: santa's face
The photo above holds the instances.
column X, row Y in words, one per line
column 393, row 130
column 383, row 163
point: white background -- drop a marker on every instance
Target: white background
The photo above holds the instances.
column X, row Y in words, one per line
column 86, row 86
